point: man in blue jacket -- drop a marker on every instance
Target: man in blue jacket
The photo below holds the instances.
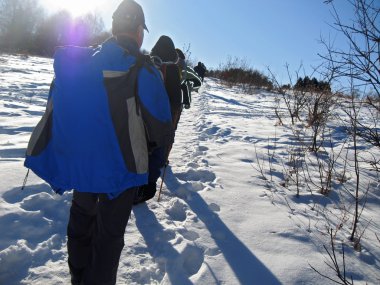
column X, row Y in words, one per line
column 107, row 110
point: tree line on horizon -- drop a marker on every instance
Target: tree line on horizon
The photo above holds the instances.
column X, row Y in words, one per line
column 25, row 27
column 237, row 72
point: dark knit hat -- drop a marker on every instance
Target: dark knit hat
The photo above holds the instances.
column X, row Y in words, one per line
column 128, row 16
column 164, row 48
column 180, row 53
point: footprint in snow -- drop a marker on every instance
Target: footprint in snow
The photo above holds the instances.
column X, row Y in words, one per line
column 250, row 139
column 42, row 214
column 177, row 211
column 212, row 130
column 222, row 141
column 34, row 113
column 189, row 235
column 224, row 132
column 29, row 226
column 192, row 259
column 13, row 106
column 197, row 175
column 367, row 257
column 214, row 207
column 194, row 186
column 9, row 114
column 213, row 251
column 51, row 207
column 16, row 131
column 16, row 195
column 202, row 148
column 31, row 85
column 192, row 165
column 17, row 259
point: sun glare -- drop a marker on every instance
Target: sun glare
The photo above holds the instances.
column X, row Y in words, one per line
column 75, row 7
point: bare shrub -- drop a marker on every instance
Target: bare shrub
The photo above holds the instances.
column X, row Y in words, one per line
column 278, row 112
column 334, row 264
column 359, row 62
column 295, row 163
column 186, row 49
column 359, row 65
column 324, row 163
column 237, row 72
column 319, row 105
column 295, row 99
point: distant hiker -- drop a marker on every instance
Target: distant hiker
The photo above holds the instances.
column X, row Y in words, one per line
column 165, row 58
column 190, row 80
column 164, row 49
column 186, row 95
column 106, row 110
column 200, row 69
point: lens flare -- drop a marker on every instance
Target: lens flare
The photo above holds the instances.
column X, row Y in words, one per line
column 75, row 7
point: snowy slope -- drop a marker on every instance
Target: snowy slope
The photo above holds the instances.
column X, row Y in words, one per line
column 218, row 222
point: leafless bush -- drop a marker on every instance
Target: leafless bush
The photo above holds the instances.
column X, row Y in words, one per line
column 334, row 264
column 319, row 105
column 374, row 163
column 342, row 176
column 237, row 72
column 353, row 113
column 190, row 61
column 370, row 132
column 325, row 170
column 296, row 161
column 278, row 112
column 260, row 165
column 359, row 62
column 324, row 163
column 295, row 99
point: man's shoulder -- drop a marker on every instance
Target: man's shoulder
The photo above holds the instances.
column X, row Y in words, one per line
column 74, row 53
column 74, row 60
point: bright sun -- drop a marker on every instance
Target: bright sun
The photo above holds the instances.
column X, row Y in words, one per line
column 75, row 7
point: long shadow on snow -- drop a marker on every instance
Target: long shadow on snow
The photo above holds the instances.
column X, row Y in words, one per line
column 229, row 101
column 246, row 266
column 158, row 244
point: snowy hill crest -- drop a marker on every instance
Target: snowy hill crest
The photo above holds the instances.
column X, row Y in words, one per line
column 220, row 220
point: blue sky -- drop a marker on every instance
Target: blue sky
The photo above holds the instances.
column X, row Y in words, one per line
column 264, row 32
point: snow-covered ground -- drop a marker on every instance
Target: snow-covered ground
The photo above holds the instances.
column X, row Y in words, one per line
column 218, row 222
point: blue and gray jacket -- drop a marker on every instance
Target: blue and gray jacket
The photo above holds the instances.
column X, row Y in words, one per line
column 103, row 116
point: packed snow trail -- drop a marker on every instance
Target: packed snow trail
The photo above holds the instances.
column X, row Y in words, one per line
column 218, row 222
column 216, row 189
column 201, row 236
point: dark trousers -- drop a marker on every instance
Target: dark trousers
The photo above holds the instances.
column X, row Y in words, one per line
column 186, row 95
column 96, row 236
